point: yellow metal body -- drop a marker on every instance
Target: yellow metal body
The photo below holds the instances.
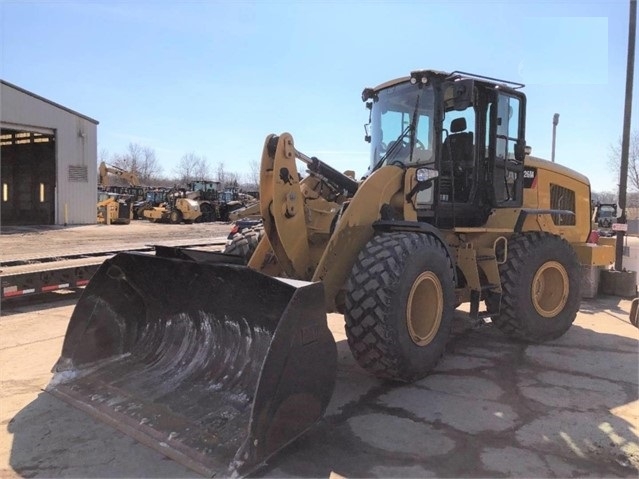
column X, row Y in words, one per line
column 608, row 241
column 250, row 211
column 315, row 234
column 109, row 212
column 189, row 209
column 104, row 171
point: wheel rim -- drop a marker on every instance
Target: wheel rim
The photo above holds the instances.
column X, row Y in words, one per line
column 424, row 308
column 550, row 288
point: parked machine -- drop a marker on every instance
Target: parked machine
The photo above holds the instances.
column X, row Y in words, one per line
column 177, row 208
column 153, row 197
column 223, row 371
column 207, row 194
column 603, row 217
column 105, row 170
column 115, row 203
column 114, row 208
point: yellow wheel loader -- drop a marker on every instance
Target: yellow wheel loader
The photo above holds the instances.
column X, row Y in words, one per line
column 220, row 364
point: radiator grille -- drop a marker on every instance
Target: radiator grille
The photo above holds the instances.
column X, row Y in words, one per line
column 562, row 199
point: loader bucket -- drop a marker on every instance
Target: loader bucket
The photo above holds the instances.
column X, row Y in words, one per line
column 213, row 364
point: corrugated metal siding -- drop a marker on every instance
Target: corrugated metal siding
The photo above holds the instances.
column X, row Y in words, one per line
column 76, row 150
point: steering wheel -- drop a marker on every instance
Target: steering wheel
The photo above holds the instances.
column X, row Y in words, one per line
column 405, row 144
column 419, row 145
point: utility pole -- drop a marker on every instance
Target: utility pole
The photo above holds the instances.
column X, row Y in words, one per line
column 625, row 141
column 555, row 122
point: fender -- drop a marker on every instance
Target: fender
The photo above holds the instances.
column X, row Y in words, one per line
column 416, row 227
column 355, row 229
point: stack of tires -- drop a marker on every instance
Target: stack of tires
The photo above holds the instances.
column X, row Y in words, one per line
column 242, row 241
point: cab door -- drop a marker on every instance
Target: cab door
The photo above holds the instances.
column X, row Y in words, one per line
column 506, row 133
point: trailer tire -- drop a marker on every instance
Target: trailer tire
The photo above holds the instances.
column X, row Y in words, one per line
column 399, row 305
column 541, row 288
column 243, row 243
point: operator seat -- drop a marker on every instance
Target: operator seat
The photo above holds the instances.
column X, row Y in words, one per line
column 458, row 158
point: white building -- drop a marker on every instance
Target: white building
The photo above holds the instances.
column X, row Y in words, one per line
column 48, row 159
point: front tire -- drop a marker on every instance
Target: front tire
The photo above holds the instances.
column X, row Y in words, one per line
column 399, row 305
column 541, row 288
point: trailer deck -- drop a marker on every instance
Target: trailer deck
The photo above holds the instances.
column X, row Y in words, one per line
column 40, row 260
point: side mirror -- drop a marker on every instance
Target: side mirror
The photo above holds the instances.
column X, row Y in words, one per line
column 520, row 150
column 458, row 95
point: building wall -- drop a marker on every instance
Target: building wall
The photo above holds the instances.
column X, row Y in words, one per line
column 76, row 149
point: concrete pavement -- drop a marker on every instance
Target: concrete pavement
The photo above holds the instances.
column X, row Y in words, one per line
column 492, row 408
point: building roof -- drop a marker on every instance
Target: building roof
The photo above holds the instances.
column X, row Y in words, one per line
column 38, row 97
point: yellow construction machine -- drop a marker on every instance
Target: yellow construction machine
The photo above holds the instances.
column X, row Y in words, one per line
column 178, row 208
column 114, row 208
column 220, row 365
column 105, row 170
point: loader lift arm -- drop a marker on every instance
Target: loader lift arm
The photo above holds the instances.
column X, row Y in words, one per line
column 284, row 204
column 104, row 170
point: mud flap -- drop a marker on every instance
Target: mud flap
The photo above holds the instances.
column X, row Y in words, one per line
column 215, row 365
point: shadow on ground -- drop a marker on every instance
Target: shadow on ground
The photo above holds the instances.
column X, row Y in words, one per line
column 492, row 408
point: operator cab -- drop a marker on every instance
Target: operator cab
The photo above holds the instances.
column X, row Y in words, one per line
column 465, row 135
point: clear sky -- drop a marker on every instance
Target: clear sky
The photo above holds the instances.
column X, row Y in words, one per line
column 215, row 77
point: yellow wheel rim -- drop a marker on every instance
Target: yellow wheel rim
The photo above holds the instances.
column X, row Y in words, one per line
column 550, row 288
column 424, row 308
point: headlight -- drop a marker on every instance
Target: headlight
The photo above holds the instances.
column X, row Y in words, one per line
column 425, row 174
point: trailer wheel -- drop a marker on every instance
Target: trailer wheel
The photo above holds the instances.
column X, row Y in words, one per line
column 541, row 288
column 244, row 242
column 399, row 305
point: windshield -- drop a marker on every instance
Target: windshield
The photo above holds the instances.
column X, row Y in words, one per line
column 607, row 212
column 399, row 111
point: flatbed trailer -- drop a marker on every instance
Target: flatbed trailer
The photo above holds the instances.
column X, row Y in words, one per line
column 38, row 274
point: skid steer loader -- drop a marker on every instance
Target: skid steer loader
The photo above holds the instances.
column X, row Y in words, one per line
column 220, row 365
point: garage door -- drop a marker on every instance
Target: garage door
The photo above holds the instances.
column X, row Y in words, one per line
column 28, row 177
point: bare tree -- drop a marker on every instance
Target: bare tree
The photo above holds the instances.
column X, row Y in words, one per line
column 202, row 169
column 604, row 196
column 232, row 180
column 633, row 160
column 191, row 167
column 129, row 160
column 253, row 176
column 103, row 155
column 149, row 167
column 140, row 160
column 221, row 174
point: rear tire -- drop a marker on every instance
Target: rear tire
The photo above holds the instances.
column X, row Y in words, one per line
column 208, row 213
column 399, row 305
column 541, row 288
column 175, row 217
column 244, row 242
